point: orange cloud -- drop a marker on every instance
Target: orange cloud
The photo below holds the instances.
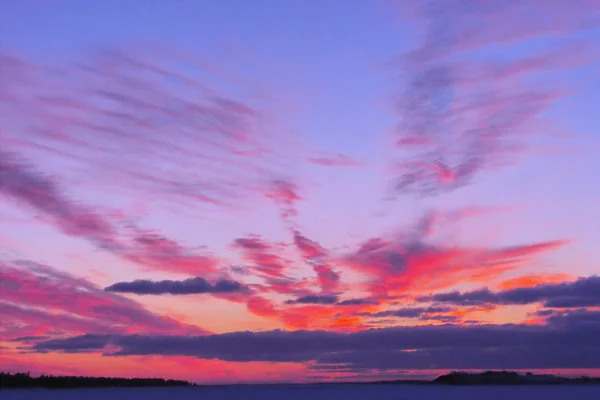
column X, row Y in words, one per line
column 534, row 280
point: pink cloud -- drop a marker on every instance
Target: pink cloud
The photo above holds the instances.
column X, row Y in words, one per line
column 315, row 255
column 138, row 102
column 337, row 160
column 42, row 193
column 134, row 124
column 415, row 262
column 461, row 116
column 36, row 297
column 285, row 194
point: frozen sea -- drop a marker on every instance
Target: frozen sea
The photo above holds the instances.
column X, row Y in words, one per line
column 317, row 392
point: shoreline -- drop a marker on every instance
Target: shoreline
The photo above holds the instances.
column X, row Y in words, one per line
column 23, row 381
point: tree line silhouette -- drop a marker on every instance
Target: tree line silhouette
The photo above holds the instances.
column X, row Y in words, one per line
column 26, row 381
column 509, row 378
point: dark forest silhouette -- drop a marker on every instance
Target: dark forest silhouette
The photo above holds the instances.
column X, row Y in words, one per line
column 498, row 378
column 26, row 381
column 509, row 378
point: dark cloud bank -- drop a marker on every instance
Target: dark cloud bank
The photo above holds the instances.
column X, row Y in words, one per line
column 196, row 285
column 421, row 313
column 569, row 339
column 329, row 300
column 584, row 292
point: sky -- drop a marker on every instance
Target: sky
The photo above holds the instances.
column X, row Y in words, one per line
column 297, row 191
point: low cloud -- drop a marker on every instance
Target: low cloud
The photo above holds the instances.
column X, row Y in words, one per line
column 414, row 312
column 584, row 292
column 357, row 302
column 314, row 299
column 196, row 285
column 558, row 344
column 330, row 300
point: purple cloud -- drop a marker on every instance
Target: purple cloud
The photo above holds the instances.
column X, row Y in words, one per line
column 196, row 285
column 461, row 117
column 584, row 292
column 43, row 193
column 326, row 299
column 357, row 302
column 335, row 160
column 423, row 347
column 22, row 183
column 314, row 299
column 36, row 299
column 415, row 312
column 152, row 110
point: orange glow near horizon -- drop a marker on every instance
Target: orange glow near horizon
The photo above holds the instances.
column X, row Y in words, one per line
column 384, row 190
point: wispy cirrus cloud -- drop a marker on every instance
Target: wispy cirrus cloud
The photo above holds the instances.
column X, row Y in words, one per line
column 157, row 126
column 24, row 184
column 335, row 160
column 401, row 267
column 460, row 116
column 317, row 257
column 412, row 263
column 416, row 262
column 149, row 106
column 36, row 297
column 43, row 322
column 285, row 194
column 264, row 257
column 44, row 194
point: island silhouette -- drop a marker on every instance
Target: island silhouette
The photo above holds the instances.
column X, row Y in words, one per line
column 508, row 378
column 26, row 381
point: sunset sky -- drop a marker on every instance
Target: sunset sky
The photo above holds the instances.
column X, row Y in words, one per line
column 266, row 191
